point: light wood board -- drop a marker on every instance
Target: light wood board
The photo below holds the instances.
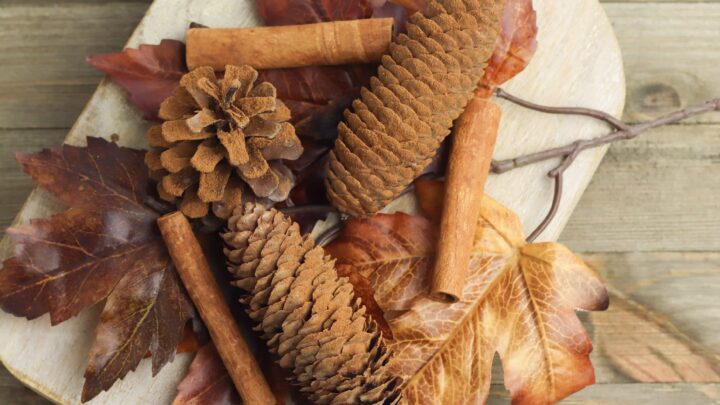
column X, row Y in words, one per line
column 578, row 63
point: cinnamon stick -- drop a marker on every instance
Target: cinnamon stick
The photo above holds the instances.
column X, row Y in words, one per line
column 468, row 169
column 200, row 283
column 331, row 43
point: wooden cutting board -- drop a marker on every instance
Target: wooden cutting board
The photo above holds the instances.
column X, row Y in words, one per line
column 578, row 63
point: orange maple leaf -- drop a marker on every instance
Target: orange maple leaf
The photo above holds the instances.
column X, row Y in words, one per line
column 519, row 301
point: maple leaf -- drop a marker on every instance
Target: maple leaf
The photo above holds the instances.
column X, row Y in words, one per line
column 519, row 301
column 149, row 73
column 104, row 247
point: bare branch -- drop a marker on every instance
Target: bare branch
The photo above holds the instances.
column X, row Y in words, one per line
column 623, row 131
column 569, row 153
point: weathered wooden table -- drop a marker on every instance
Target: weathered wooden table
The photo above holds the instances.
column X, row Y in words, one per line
column 649, row 222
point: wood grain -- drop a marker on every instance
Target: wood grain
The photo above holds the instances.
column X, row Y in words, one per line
column 658, row 192
column 657, row 82
column 671, row 56
column 12, row 392
column 16, row 185
column 45, row 81
column 631, row 394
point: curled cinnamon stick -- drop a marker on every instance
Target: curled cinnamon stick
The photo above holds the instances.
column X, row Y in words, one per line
column 332, row 43
column 468, row 169
column 200, row 283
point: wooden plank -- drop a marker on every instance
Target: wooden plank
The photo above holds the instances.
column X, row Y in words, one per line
column 658, row 192
column 642, row 345
column 45, row 82
column 16, row 184
column 666, row 75
column 679, row 288
column 663, row 324
column 671, row 55
column 12, row 392
column 631, row 394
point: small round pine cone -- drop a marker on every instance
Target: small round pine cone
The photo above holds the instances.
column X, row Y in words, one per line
column 221, row 138
column 308, row 315
column 422, row 86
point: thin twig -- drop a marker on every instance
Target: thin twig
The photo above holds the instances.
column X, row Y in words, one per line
column 629, row 131
column 597, row 114
column 569, row 153
column 557, row 197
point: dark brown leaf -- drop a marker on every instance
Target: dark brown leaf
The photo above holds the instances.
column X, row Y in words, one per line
column 149, row 73
column 207, row 381
column 381, row 249
column 105, row 246
column 292, row 12
column 305, row 89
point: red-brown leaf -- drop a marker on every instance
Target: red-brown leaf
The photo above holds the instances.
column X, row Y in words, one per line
column 390, row 247
column 312, row 87
column 292, row 12
column 515, row 47
column 149, row 73
column 207, row 381
column 105, row 246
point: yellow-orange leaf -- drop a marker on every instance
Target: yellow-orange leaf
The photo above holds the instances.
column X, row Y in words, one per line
column 519, row 301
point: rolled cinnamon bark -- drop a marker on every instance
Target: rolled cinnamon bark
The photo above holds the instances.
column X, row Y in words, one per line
column 200, row 283
column 468, row 169
column 331, row 43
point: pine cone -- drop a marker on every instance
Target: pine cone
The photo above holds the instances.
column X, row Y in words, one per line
column 308, row 315
column 422, row 86
column 220, row 136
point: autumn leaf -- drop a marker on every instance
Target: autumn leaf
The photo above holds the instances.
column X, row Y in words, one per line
column 207, row 381
column 104, row 247
column 292, row 12
column 519, row 301
column 149, row 73
column 515, row 47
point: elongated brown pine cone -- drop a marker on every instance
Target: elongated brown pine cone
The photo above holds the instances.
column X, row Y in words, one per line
column 309, row 316
column 422, row 86
column 219, row 138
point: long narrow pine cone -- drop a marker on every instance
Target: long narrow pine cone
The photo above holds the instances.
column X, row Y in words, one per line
column 422, row 86
column 308, row 315
column 221, row 139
